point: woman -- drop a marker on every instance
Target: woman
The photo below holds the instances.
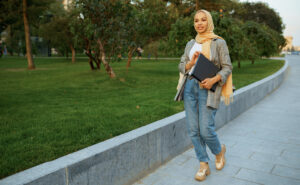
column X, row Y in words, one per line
column 200, row 103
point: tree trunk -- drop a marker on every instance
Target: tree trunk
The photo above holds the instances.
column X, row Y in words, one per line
column 67, row 53
column 110, row 56
column 108, row 69
column 27, row 37
column 131, row 50
column 252, row 61
column 11, row 52
column 98, row 64
column 98, row 61
column 91, row 64
column 91, row 58
column 73, row 53
column 49, row 48
column 239, row 64
column 197, row 4
column 89, row 54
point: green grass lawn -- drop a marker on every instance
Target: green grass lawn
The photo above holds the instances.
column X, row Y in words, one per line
column 62, row 107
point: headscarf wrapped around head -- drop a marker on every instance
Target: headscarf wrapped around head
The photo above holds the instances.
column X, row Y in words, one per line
column 206, row 37
column 209, row 33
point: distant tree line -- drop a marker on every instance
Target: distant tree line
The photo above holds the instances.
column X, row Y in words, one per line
column 108, row 29
column 251, row 30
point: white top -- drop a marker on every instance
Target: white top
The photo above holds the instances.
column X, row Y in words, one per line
column 196, row 47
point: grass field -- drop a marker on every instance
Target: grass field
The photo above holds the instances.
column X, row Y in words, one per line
column 62, row 107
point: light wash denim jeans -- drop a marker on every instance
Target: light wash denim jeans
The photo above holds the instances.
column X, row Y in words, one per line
column 200, row 120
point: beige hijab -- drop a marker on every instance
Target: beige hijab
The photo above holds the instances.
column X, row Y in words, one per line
column 205, row 39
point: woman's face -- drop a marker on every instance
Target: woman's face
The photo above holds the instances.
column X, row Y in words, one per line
column 200, row 22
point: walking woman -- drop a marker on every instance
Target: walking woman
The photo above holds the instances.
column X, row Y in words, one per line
column 200, row 103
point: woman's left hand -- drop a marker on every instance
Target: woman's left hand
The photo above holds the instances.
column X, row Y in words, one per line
column 208, row 83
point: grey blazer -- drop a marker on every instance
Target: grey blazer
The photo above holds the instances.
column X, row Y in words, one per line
column 220, row 57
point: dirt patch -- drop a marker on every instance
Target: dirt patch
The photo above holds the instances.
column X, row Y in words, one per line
column 25, row 69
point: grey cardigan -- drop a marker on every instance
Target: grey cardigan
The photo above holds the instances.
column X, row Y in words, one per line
column 220, row 57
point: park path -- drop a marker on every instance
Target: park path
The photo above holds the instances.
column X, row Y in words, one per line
column 263, row 144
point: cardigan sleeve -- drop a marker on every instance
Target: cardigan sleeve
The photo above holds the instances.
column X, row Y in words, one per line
column 225, row 62
column 183, row 60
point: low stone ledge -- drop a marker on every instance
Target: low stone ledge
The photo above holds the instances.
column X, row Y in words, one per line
column 126, row 158
column 247, row 96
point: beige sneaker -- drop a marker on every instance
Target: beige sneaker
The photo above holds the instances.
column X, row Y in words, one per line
column 220, row 158
column 202, row 172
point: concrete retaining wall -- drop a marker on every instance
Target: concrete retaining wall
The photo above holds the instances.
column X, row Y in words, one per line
column 130, row 156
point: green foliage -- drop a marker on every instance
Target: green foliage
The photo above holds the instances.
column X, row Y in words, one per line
column 230, row 30
column 9, row 14
column 261, row 13
column 148, row 22
column 181, row 32
column 56, row 27
column 246, row 40
column 104, row 21
column 15, row 40
column 11, row 20
column 260, row 36
column 277, row 38
column 155, row 21
column 122, row 25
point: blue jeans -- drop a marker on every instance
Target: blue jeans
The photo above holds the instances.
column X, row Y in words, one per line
column 200, row 120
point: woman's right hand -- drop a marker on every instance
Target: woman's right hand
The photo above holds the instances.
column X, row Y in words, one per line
column 195, row 57
column 190, row 64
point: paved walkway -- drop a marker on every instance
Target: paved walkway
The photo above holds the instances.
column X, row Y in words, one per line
column 263, row 144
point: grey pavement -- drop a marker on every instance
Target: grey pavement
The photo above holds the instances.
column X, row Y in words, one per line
column 263, row 144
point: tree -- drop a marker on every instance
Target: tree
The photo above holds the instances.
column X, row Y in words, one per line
column 11, row 22
column 180, row 8
column 57, row 29
column 263, row 37
column 134, row 33
column 258, row 36
column 15, row 39
column 181, row 32
column 230, row 30
column 9, row 14
column 104, row 28
column 261, row 13
column 27, row 37
column 83, row 31
column 10, row 17
column 277, row 38
column 150, row 22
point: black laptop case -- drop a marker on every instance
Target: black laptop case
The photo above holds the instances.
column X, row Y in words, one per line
column 205, row 69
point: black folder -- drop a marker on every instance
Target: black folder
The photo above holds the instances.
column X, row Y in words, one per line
column 205, row 69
